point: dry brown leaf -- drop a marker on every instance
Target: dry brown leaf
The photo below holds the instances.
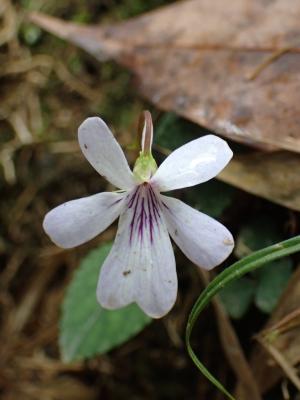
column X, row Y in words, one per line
column 282, row 333
column 63, row 388
column 201, row 66
column 274, row 176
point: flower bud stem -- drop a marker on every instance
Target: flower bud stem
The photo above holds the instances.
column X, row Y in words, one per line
column 145, row 129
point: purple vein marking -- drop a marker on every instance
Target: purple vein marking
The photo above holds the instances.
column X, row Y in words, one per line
column 164, row 204
column 150, row 219
column 115, row 202
column 154, row 204
column 142, row 219
column 145, row 211
column 131, row 201
column 136, row 196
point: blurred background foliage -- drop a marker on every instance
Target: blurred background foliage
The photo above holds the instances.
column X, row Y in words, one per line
column 47, row 88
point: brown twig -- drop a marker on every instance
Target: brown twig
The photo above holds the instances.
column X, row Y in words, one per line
column 288, row 369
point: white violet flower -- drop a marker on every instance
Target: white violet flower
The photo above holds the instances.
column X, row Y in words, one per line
column 141, row 265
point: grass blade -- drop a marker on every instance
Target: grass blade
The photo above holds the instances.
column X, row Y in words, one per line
column 235, row 271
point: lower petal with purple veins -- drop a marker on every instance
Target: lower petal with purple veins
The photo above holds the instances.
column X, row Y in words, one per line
column 146, row 211
column 141, row 265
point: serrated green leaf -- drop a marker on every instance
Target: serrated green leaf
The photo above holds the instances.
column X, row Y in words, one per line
column 237, row 297
column 86, row 329
column 273, row 279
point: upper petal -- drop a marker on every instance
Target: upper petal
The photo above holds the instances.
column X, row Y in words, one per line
column 104, row 153
column 78, row 221
column 202, row 239
column 141, row 265
column 193, row 163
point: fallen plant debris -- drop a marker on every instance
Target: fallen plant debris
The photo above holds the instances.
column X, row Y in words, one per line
column 169, row 58
column 249, row 91
column 46, row 90
column 246, row 72
column 280, row 337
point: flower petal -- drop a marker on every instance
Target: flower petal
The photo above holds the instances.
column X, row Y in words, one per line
column 202, row 239
column 78, row 221
column 104, row 153
column 141, row 265
column 193, row 163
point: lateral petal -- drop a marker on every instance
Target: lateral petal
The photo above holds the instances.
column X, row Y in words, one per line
column 141, row 265
column 193, row 163
column 104, row 153
column 205, row 241
column 77, row 221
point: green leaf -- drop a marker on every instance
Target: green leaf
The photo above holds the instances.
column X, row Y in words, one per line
column 211, row 197
column 230, row 274
column 237, row 297
column 273, row 278
column 86, row 328
column 261, row 232
column 172, row 131
column 31, row 34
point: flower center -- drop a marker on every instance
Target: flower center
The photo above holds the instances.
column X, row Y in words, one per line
column 144, row 167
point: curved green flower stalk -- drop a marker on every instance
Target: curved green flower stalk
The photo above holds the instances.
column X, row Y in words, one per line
column 235, row 271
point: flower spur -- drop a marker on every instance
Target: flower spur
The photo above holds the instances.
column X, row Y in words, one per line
column 141, row 264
